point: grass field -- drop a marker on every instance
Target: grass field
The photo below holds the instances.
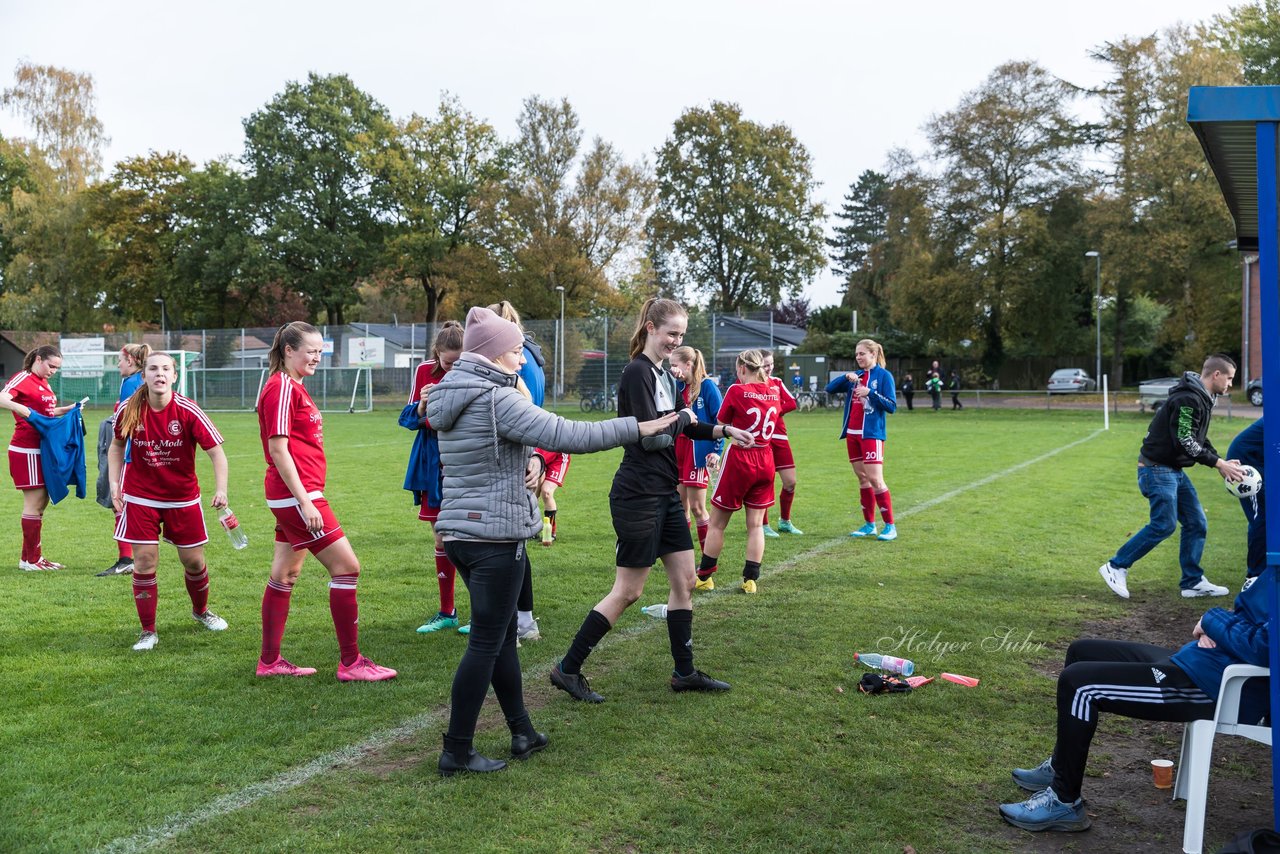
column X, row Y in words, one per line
column 1004, row 518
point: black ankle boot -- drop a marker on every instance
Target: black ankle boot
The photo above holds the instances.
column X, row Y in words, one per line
column 525, row 740
column 458, row 756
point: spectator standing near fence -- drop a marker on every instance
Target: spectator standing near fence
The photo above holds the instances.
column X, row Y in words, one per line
column 1178, row 438
column 954, row 386
column 908, row 389
column 933, row 385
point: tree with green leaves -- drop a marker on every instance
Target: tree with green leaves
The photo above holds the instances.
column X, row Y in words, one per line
column 735, row 208
column 319, row 207
column 1251, row 30
column 858, row 241
column 441, row 174
column 1005, row 150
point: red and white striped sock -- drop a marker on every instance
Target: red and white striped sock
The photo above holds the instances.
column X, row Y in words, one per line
column 446, row 572
column 198, row 589
column 145, row 592
column 275, row 612
column 31, row 537
column 346, row 614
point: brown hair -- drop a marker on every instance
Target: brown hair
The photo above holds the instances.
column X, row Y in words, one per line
column 130, row 415
column 1217, row 362
column 448, row 339
column 753, row 360
column 43, row 352
column 657, row 311
column 876, row 350
column 698, row 372
column 507, row 311
column 137, row 352
column 289, row 335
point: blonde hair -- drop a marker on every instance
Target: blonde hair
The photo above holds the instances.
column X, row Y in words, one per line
column 289, row 335
column 656, row 310
column 876, row 350
column 448, row 339
column 753, row 360
column 137, row 353
column 44, row 352
column 130, row 415
column 697, row 372
column 507, row 311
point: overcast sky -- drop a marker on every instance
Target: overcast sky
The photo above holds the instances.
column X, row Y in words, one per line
column 853, row 79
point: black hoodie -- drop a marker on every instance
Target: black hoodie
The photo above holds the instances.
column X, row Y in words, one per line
column 1178, row 436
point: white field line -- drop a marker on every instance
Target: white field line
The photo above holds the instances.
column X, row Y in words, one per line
column 181, row 822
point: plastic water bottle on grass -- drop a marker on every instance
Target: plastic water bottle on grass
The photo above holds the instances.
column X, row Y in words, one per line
column 658, row 612
column 887, row 663
column 239, row 539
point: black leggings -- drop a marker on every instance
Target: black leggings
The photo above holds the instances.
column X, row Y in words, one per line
column 1136, row 680
column 493, row 573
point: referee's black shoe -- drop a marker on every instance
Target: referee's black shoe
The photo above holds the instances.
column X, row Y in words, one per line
column 575, row 685
column 697, row 681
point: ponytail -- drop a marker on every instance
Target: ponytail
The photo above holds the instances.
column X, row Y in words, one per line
column 697, row 370
column 43, row 353
column 289, row 335
column 448, row 340
column 656, row 310
column 753, row 360
column 137, row 352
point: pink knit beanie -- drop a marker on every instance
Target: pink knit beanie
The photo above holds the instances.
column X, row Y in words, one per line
column 489, row 335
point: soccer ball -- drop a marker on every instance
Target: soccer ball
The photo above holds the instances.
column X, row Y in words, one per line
column 1247, row 487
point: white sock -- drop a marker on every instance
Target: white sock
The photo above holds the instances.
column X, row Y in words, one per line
column 524, row 619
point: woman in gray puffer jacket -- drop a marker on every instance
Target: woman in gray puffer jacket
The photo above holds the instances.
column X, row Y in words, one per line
column 488, row 428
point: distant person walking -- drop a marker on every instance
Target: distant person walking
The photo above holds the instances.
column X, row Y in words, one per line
column 954, row 387
column 1177, row 438
column 908, row 389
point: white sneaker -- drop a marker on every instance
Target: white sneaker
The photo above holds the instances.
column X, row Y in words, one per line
column 146, row 640
column 1116, row 579
column 529, row 632
column 1204, row 587
column 210, row 621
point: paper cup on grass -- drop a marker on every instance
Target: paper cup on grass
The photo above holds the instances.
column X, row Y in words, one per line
column 1162, row 773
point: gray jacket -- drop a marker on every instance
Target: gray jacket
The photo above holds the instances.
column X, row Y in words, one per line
column 487, row 431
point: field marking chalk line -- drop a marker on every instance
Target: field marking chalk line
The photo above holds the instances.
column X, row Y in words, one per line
column 181, row 822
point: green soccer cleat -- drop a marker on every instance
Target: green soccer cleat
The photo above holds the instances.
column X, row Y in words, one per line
column 769, row 532
column 437, row 623
column 785, row 527
column 867, row 530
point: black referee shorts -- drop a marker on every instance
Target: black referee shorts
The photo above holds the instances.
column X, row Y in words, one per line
column 649, row 527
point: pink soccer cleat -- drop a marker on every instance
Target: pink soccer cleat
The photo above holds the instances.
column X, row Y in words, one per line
column 364, row 670
column 283, row 668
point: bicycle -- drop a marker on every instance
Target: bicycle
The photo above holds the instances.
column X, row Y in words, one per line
column 598, row 401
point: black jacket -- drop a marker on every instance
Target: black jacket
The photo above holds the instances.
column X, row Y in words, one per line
column 1178, row 436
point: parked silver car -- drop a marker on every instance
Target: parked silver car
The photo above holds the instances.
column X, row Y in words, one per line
column 1152, row 393
column 1066, row 380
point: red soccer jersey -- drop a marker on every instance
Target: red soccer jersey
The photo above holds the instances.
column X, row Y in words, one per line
column 161, row 471
column 285, row 409
column 754, row 407
column 788, row 401
column 856, row 410
column 33, row 393
column 426, row 374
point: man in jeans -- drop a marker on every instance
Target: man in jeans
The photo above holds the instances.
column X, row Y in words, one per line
column 1176, row 439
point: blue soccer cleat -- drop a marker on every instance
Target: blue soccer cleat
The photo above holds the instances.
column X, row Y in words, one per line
column 890, row 532
column 867, row 530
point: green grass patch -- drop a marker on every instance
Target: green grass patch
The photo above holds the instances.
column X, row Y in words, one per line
column 103, row 744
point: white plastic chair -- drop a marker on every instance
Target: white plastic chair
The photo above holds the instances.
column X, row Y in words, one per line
column 1197, row 748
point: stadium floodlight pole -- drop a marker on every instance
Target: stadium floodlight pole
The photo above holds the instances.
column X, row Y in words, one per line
column 164, row 327
column 560, row 339
column 1097, row 257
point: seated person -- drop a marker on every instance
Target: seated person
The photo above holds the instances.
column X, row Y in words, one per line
column 1140, row 680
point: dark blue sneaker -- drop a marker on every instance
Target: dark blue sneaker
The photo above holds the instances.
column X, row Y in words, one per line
column 1043, row 811
column 1035, row 779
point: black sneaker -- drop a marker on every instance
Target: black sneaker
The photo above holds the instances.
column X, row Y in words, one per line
column 123, row 566
column 575, row 685
column 697, row 681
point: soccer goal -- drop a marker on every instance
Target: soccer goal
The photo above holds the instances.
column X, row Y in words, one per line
column 237, row 389
column 95, row 374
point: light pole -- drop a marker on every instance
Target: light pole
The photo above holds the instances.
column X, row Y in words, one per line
column 560, row 340
column 164, row 326
column 1097, row 257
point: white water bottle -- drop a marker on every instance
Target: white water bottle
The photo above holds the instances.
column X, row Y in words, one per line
column 239, row 539
column 658, row 612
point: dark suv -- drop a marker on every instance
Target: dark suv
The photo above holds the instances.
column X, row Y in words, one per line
column 1253, row 391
